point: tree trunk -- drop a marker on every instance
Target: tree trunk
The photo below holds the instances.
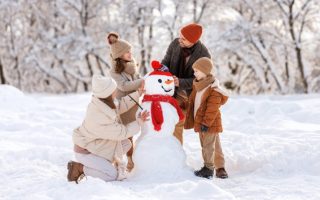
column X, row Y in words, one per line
column 301, row 68
column 149, row 45
column 143, row 60
column 16, row 67
column 197, row 17
column 141, row 29
column 99, row 65
column 85, row 84
column 2, row 78
column 65, row 75
column 267, row 60
column 194, row 10
column 90, row 71
column 297, row 48
column 286, row 64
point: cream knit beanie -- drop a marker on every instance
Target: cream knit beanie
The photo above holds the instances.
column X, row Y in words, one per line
column 102, row 86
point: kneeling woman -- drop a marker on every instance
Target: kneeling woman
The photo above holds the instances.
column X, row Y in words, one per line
column 102, row 140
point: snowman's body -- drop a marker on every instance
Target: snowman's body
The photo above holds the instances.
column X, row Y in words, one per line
column 158, row 151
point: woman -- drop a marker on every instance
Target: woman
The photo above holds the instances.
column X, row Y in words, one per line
column 124, row 72
column 102, row 140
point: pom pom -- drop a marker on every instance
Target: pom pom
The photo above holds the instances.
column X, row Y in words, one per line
column 156, row 65
column 112, row 38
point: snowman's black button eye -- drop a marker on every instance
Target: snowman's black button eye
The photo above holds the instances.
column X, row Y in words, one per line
column 159, row 80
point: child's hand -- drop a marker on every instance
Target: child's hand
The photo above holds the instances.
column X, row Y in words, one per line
column 144, row 115
column 204, row 128
column 141, row 89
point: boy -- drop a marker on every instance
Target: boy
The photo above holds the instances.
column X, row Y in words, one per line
column 204, row 116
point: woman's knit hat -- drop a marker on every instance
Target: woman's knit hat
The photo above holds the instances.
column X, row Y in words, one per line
column 102, row 86
column 118, row 47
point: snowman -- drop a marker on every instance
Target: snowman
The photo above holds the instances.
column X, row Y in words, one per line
column 158, row 153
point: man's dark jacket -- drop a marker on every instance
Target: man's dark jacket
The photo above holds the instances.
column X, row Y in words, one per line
column 172, row 59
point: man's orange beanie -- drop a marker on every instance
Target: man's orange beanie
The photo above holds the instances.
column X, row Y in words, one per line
column 192, row 32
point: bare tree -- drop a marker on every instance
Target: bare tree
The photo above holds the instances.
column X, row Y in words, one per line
column 247, row 35
column 140, row 16
column 171, row 23
column 295, row 14
column 199, row 9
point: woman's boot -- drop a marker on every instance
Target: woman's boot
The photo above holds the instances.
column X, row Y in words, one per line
column 75, row 171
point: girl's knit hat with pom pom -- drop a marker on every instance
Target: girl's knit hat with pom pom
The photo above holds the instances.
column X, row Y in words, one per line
column 118, row 47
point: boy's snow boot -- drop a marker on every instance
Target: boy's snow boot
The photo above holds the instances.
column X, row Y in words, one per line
column 204, row 172
column 221, row 173
column 75, row 171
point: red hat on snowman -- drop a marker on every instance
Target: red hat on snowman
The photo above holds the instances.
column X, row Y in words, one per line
column 159, row 69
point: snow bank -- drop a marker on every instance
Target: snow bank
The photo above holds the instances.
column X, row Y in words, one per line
column 271, row 146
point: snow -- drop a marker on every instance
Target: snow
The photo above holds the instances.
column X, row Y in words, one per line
column 271, row 146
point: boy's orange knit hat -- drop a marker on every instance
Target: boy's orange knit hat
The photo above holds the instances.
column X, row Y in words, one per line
column 192, row 32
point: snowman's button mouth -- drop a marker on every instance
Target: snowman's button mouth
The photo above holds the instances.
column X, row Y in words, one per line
column 166, row 90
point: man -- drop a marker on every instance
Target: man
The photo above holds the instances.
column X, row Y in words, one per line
column 179, row 58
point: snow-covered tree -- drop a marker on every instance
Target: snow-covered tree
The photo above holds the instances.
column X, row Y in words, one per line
column 258, row 46
column 254, row 35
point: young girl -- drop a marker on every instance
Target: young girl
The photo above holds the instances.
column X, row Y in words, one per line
column 101, row 141
column 124, row 72
column 204, row 116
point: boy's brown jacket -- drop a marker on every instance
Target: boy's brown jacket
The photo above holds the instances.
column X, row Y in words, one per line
column 208, row 113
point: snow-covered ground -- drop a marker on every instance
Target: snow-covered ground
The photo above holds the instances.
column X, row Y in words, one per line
column 271, row 145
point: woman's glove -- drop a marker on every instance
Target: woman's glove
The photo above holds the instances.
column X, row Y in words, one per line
column 143, row 116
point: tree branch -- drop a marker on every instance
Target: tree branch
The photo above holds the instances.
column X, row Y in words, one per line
column 301, row 9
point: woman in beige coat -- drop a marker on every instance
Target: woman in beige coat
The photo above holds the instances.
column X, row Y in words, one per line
column 124, row 72
column 102, row 140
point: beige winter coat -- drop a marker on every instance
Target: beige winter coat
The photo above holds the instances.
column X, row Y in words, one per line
column 126, row 84
column 101, row 130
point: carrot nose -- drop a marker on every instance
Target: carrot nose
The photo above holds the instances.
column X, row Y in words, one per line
column 168, row 81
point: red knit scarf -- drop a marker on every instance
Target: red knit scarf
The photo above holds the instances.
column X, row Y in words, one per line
column 156, row 110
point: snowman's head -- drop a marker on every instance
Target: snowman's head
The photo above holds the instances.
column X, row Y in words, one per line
column 160, row 81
